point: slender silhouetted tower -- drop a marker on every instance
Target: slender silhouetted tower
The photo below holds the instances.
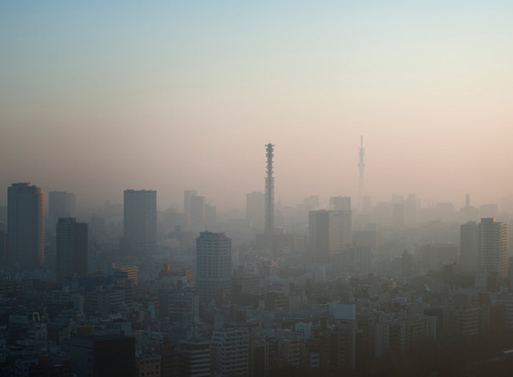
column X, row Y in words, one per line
column 361, row 167
column 269, row 190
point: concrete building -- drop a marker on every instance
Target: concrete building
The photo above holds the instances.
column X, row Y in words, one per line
column 213, row 265
column 103, row 355
column 493, row 247
column 71, row 249
column 319, row 235
column 198, row 212
column 469, row 246
column 229, row 350
column 194, row 358
column 140, row 221
column 25, row 226
column 187, row 195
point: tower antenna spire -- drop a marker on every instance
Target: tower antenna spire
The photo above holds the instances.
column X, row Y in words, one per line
column 269, row 190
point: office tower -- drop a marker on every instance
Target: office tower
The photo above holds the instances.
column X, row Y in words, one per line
column 340, row 230
column 3, row 245
column 255, row 207
column 61, row 204
column 319, row 235
column 71, row 249
column 229, row 350
column 340, row 203
column 103, row 355
column 25, row 226
column 3, row 214
column 469, row 246
column 187, row 195
column 269, row 190
column 194, row 357
column 361, row 168
column 469, row 213
column 198, row 212
column 213, row 265
column 493, row 247
column 140, row 221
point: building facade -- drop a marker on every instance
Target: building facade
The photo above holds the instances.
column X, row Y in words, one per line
column 25, row 226
column 213, row 265
column 140, row 221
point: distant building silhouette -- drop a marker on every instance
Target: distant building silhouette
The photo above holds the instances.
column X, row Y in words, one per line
column 187, row 195
column 213, row 265
column 61, row 204
column 25, row 226
column 198, row 212
column 469, row 246
column 71, row 249
column 140, row 221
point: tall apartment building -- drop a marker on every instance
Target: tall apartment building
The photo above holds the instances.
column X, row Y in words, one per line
column 329, row 232
column 469, row 246
column 213, row 265
column 71, row 258
column 140, row 221
column 25, row 226
column 229, row 350
column 493, row 247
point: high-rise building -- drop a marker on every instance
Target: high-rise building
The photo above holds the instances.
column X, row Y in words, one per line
column 340, row 230
column 213, row 265
column 329, row 232
column 140, row 221
column 3, row 245
column 319, row 235
column 198, row 212
column 361, row 169
column 340, row 203
column 469, row 246
column 103, row 355
column 229, row 351
column 493, row 247
column 187, row 195
column 25, row 226
column 71, row 249
column 61, row 204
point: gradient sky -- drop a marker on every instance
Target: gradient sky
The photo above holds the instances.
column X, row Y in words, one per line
column 97, row 97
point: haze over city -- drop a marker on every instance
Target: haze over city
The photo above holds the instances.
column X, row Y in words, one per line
column 98, row 97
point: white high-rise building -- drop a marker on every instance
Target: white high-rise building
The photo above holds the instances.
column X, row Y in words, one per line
column 493, row 247
column 140, row 221
column 213, row 265
column 25, row 226
column 229, row 350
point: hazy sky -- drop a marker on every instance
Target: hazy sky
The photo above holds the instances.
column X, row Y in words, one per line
column 100, row 96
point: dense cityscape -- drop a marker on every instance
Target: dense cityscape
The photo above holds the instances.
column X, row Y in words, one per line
column 355, row 289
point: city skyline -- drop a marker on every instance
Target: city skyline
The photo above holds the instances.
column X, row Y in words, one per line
column 200, row 89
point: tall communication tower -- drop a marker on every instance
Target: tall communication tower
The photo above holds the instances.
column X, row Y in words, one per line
column 269, row 190
column 361, row 167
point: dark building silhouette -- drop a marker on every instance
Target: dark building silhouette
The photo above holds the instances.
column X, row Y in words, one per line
column 269, row 190
column 71, row 249
column 25, row 226
column 140, row 221
column 103, row 355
